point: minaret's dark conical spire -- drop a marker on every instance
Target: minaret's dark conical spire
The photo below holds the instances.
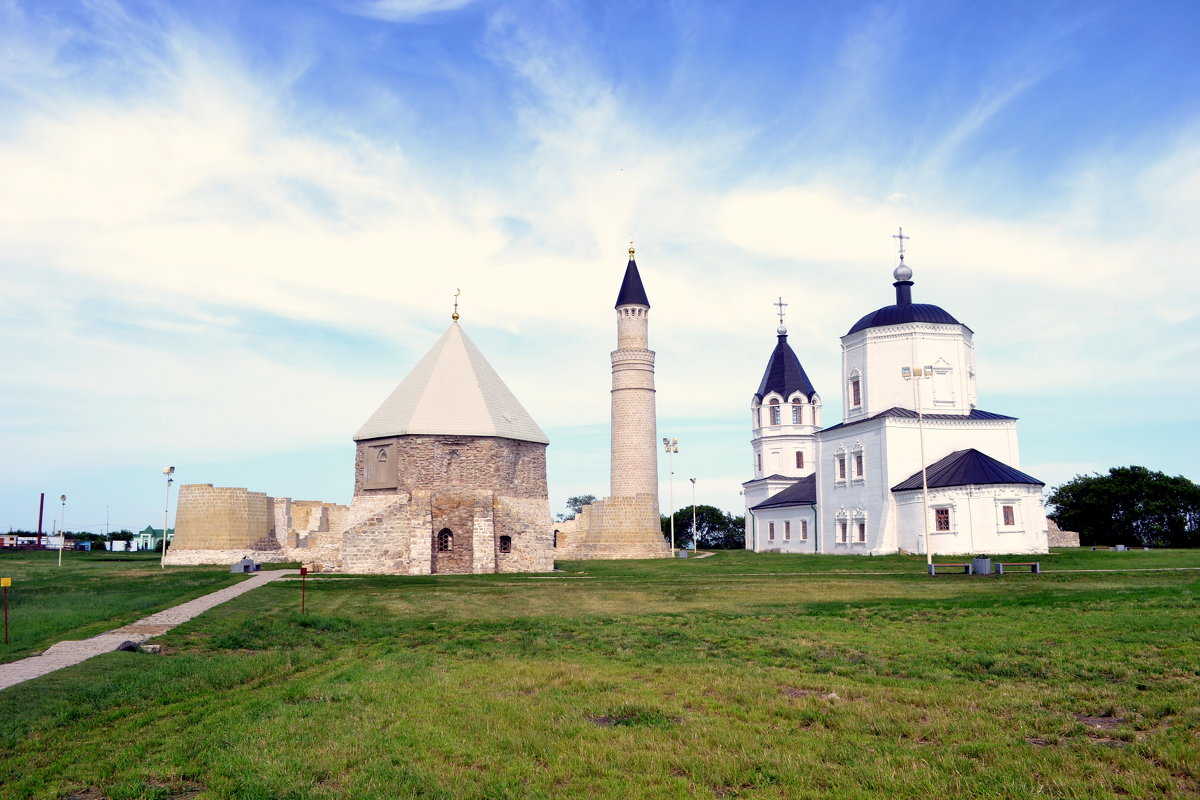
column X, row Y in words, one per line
column 632, row 293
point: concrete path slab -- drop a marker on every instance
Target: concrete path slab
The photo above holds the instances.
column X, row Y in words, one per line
column 69, row 653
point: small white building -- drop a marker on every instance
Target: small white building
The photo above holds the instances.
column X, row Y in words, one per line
column 857, row 487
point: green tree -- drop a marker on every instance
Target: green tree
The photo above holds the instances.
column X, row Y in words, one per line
column 716, row 529
column 575, row 505
column 1129, row 505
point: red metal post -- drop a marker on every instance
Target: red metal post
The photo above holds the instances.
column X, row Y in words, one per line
column 6, row 615
column 303, row 578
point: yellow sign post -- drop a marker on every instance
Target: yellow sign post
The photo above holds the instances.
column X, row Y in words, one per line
column 6, row 582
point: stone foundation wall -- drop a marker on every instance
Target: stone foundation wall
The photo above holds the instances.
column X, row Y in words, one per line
column 614, row 528
column 1057, row 537
column 402, row 536
column 223, row 518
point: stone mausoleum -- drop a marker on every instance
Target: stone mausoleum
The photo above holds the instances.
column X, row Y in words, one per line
column 449, row 477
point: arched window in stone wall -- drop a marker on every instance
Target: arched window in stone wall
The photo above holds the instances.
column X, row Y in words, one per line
column 774, row 412
column 445, row 542
column 505, row 544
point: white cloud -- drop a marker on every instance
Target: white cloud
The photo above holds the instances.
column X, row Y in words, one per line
column 403, row 10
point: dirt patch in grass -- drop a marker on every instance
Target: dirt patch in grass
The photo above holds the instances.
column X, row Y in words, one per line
column 634, row 716
column 1100, row 723
column 791, row 691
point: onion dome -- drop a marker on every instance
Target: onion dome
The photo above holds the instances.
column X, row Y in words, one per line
column 905, row 310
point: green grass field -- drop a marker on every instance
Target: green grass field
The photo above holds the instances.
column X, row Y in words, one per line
column 91, row 593
column 739, row 675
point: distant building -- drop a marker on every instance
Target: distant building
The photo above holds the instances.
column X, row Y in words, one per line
column 150, row 538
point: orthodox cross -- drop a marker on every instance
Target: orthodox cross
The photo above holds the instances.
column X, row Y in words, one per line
column 781, row 306
column 901, row 237
column 454, row 316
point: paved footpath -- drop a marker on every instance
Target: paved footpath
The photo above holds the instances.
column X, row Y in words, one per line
column 66, row 654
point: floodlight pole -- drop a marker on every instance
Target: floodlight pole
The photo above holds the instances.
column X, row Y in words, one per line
column 62, row 531
column 914, row 374
column 695, row 538
column 170, row 473
column 671, row 447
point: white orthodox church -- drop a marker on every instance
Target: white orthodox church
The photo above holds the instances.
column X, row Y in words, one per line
column 913, row 458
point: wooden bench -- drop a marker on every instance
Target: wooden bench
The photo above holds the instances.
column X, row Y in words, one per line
column 967, row 568
column 1034, row 566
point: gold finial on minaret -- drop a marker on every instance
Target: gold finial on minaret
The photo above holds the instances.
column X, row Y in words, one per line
column 454, row 316
column 631, row 249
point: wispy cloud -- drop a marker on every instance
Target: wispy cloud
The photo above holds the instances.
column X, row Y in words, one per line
column 403, row 10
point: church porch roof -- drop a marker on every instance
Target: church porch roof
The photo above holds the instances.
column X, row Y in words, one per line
column 966, row 468
column 801, row 493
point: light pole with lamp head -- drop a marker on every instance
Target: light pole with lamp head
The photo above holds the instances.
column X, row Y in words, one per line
column 916, row 374
column 170, row 473
column 671, row 447
column 62, row 531
column 695, row 537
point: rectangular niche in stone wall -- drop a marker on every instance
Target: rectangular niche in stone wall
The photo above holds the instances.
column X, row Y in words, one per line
column 380, row 470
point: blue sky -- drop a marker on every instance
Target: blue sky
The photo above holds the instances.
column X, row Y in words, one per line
column 227, row 230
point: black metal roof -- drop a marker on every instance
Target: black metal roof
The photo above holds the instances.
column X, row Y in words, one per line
column 966, row 468
column 908, row 413
column 900, row 314
column 802, row 492
column 632, row 293
column 784, row 373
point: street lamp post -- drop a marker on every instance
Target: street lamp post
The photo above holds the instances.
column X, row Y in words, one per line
column 695, row 538
column 170, row 473
column 671, row 447
column 915, row 374
column 62, row 531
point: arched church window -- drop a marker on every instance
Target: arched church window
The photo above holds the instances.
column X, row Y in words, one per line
column 445, row 542
column 381, row 457
column 505, row 544
column 774, row 412
column 797, row 412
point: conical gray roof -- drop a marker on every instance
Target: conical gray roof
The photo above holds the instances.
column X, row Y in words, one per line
column 453, row 391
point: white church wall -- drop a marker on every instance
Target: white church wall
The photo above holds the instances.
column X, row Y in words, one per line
column 785, row 530
column 875, row 356
column 973, row 520
column 851, row 485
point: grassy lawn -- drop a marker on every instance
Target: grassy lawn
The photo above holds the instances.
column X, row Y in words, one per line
column 739, row 675
column 91, row 593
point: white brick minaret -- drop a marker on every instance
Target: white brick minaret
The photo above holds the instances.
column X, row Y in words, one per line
column 626, row 523
column 634, row 438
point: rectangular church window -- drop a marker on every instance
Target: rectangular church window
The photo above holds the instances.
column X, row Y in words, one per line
column 855, row 392
column 1010, row 516
column 799, row 460
column 796, row 413
column 841, row 468
column 774, row 413
column 771, row 531
column 941, row 518
column 858, row 465
column 804, row 530
column 787, row 530
column 862, row 531
column 759, row 458
column 843, row 534
column 505, row 544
